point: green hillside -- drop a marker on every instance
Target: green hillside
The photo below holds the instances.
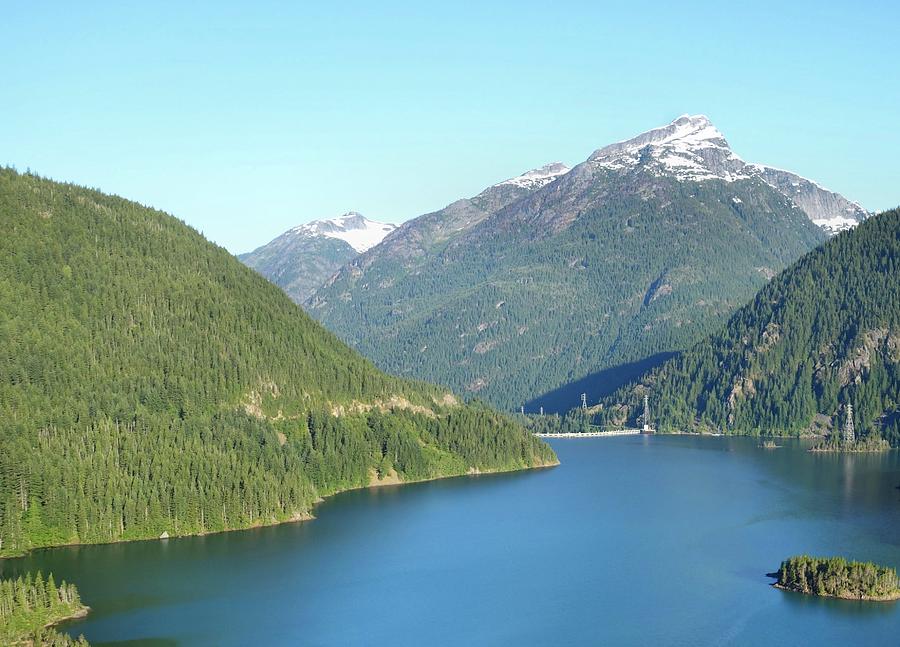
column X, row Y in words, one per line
column 150, row 383
column 824, row 333
column 536, row 296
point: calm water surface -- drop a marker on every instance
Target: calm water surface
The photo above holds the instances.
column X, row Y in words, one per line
column 632, row 540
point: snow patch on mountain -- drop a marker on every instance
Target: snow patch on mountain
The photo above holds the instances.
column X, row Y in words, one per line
column 353, row 228
column 836, row 224
column 829, row 210
column 692, row 149
column 536, row 178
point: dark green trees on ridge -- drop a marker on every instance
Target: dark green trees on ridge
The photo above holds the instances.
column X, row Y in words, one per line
column 822, row 334
column 150, row 383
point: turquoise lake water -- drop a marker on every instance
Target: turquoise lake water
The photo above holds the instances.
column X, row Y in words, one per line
column 631, row 541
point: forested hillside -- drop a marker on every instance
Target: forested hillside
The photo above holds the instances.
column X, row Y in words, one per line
column 562, row 281
column 150, row 384
column 824, row 333
column 541, row 294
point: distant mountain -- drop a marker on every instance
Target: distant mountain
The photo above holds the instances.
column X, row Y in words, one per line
column 303, row 258
column 558, row 275
column 151, row 384
column 536, row 178
column 416, row 238
column 692, row 149
column 823, row 334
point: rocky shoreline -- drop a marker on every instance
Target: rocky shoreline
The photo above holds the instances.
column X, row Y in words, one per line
column 845, row 596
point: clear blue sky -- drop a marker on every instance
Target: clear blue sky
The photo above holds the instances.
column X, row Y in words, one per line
column 247, row 119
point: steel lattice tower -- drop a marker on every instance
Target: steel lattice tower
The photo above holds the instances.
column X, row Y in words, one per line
column 849, row 431
column 646, row 418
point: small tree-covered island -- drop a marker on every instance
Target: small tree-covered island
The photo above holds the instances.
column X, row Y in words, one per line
column 838, row 578
column 847, row 441
column 30, row 606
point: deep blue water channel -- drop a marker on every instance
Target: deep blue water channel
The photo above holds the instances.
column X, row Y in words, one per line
column 631, row 541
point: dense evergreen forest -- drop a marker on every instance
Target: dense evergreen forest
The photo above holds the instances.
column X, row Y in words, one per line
column 514, row 308
column 824, row 333
column 150, row 384
column 836, row 577
column 29, row 604
column 575, row 421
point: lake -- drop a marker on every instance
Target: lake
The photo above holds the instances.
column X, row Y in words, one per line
column 657, row 540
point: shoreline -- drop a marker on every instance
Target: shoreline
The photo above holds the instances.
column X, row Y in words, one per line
column 742, row 435
column 76, row 615
column 858, row 598
column 297, row 518
column 851, row 450
column 389, row 481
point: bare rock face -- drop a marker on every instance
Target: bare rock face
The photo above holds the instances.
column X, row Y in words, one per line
column 879, row 341
column 829, row 210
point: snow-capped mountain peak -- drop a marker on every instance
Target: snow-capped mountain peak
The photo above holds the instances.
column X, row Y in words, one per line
column 353, row 228
column 536, row 178
column 686, row 132
column 691, row 148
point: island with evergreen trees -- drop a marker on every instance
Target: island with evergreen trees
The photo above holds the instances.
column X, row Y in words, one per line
column 861, row 445
column 848, row 441
column 31, row 606
column 838, row 578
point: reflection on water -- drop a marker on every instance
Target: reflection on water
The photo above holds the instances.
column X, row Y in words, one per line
column 632, row 540
column 140, row 642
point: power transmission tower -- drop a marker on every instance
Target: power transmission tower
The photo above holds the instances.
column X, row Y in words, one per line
column 584, row 400
column 849, row 431
column 646, row 417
